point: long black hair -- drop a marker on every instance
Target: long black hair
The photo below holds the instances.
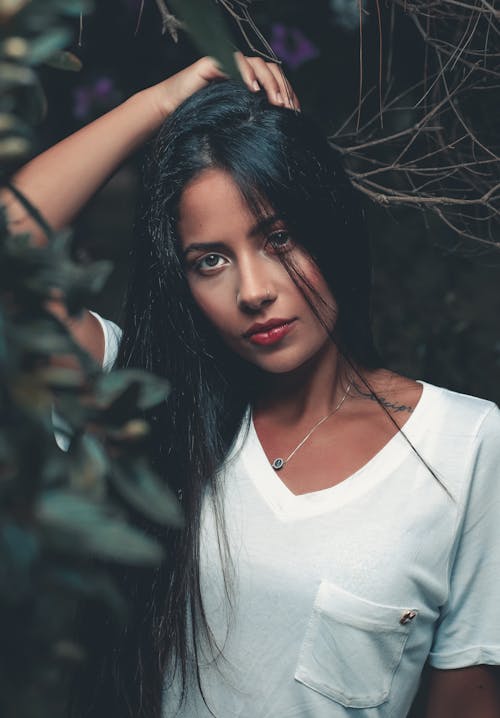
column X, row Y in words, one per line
column 278, row 158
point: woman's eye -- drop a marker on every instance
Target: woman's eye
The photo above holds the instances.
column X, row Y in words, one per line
column 279, row 240
column 209, row 262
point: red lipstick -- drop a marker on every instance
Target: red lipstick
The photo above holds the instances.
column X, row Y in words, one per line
column 270, row 332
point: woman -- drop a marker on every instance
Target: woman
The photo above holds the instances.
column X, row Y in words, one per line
column 340, row 519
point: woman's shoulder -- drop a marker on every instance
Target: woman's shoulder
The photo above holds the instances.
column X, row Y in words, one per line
column 459, row 434
column 436, row 410
column 461, row 413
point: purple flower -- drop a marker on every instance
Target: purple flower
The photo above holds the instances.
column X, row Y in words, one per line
column 92, row 99
column 103, row 88
column 291, row 45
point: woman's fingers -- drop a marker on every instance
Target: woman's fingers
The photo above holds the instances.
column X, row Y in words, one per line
column 246, row 72
column 291, row 99
column 257, row 74
column 255, row 71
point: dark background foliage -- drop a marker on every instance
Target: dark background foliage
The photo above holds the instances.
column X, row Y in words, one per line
column 436, row 299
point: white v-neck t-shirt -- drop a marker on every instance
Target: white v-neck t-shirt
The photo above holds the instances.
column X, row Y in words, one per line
column 338, row 597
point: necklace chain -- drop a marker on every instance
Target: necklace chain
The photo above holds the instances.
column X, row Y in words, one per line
column 279, row 463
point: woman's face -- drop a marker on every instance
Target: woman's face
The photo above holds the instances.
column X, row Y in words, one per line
column 236, row 277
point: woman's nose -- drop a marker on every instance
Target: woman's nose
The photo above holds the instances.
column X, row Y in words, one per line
column 255, row 289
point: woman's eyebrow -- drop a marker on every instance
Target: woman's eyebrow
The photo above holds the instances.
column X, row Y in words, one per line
column 261, row 226
column 205, row 247
column 264, row 224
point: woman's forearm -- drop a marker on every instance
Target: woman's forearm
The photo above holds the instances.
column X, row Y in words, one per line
column 60, row 181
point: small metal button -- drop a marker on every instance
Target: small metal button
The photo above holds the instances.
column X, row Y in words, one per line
column 407, row 617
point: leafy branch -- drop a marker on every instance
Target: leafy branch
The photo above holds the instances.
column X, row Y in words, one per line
column 66, row 517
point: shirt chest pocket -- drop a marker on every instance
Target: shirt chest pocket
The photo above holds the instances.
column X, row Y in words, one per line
column 353, row 647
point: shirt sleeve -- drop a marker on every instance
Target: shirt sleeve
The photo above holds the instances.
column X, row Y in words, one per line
column 468, row 630
column 112, row 337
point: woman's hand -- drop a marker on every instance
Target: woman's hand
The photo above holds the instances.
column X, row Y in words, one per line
column 256, row 74
column 60, row 181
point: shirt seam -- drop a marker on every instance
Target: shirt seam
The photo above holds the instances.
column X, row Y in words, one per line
column 468, row 649
column 461, row 502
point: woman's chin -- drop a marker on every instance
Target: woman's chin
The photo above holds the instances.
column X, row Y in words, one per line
column 281, row 365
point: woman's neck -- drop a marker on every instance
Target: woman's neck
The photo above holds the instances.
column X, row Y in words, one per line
column 310, row 391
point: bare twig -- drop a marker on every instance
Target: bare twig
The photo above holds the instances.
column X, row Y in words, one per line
column 170, row 23
column 423, row 165
column 437, row 151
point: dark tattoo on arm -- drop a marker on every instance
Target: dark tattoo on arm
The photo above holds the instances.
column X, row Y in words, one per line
column 382, row 401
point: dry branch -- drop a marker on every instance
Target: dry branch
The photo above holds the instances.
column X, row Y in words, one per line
column 170, row 23
column 447, row 158
column 439, row 150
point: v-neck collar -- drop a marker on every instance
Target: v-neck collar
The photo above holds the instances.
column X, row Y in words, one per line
column 288, row 505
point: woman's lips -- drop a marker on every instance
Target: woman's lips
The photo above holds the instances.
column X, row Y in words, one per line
column 266, row 337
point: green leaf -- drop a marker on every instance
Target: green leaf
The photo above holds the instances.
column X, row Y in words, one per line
column 207, row 26
column 143, row 490
column 151, row 390
column 73, row 7
column 74, row 525
column 61, row 377
column 10, row 7
column 64, row 60
column 81, row 283
column 14, row 48
column 11, row 124
column 14, row 75
column 131, row 431
column 73, row 414
column 120, row 409
column 41, row 337
column 14, row 148
column 88, row 467
column 44, row 46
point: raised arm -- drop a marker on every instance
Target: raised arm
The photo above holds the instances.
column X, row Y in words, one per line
column 60, row 181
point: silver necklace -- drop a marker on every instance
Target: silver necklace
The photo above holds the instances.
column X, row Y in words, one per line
column 279, row 463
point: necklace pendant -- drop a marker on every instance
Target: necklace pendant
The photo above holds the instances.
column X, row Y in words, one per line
column 278, row 464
